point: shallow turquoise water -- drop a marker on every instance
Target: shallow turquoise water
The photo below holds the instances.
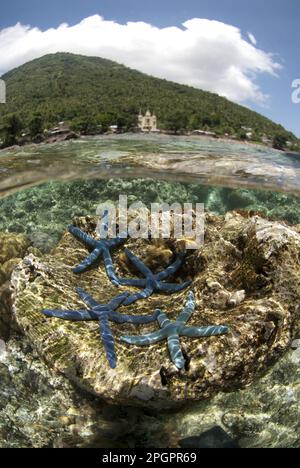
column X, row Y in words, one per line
column 45, row 186
column 43, row 212
column 188, row 159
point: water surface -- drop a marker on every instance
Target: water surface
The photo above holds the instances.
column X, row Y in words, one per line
column 201, row 160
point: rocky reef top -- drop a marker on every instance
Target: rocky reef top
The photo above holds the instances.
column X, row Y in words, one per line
column 12, row 249
column 245, row 276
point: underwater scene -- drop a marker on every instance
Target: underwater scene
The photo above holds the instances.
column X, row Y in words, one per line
column 145, row 342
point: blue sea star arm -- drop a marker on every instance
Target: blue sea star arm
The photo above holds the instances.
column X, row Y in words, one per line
column 152, row 282
column 103, row 313
column 88, row 261
column 117, row 301
column 140, row 283
column 212, row 330
column 137, row 319
column 175, row 351
column 109, row 267
column 108, row 342
column 188, row 309
column 162, row 319
column 82, row 236
column 87, row 298
column 121, row 238
column 140, row 295
column 171, row 269
column 145, row 340
column 76, row 315
column 117, row 241
column 172, row 330
column 174, row 287
column 138, row 263
column 103, row 225
column 100, row 248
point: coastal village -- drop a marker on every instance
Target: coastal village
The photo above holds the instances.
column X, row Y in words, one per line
column 146, row 123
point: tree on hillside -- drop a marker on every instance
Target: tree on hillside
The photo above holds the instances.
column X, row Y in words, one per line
column 86, row 125
column 106, row 120
column 280, row 141
column 177, row 122
column 11, row 129
column 241, row 134
column 36, row 125
column 126, row 122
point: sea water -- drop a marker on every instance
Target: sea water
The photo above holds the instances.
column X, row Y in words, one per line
column 43, row 187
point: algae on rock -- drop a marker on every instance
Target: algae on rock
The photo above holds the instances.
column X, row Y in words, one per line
column 41, row 409
column 12, row 249
column 245, row 254
column 266, row 414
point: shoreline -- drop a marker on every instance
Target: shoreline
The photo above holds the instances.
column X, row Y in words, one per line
column 71, row 136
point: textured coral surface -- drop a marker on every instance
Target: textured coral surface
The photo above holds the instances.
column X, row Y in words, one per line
column 245, row 276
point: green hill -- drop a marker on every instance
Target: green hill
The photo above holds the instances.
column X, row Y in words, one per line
column 89, row 92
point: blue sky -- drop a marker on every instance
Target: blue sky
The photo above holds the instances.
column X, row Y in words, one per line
column 274, row 23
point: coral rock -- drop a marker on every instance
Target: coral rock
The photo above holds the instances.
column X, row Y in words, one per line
column 239, row 253
column 12, row 248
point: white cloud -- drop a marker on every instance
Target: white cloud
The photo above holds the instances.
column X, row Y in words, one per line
column 252, row 38
column 206, row 54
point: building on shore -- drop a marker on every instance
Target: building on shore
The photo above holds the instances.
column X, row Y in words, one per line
column 61, row 129
column 147, row 122
column 204, row 133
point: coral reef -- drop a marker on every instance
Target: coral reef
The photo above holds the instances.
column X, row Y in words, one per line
column 246, row 275
column 42, row 212
column 39, row 408
column 263, row 415
column 12, row 249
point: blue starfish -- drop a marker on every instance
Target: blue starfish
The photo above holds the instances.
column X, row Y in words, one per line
column 172, row 330
column 100, row 248
column 152, row 283
column 102, row 313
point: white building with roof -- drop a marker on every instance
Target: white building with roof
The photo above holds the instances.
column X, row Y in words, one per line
column 147, row 122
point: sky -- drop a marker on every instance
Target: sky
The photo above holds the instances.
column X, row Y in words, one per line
column 246, row 51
